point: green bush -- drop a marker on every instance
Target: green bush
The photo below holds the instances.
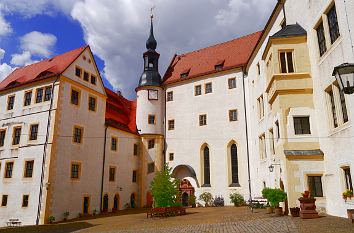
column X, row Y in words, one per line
column 207, row 198
column 192, row 200
column 265, row 192
column 164, row 189
column 237, row 199
column 51, row 219
column 274, row 196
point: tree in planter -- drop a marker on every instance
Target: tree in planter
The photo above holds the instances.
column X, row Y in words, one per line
column 164, row 188
column 274, row 197
column 192, row 200
column 237, row 199
column 207, row 198
column 265, row 194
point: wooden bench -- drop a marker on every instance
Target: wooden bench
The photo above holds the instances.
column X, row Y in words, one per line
column 166, row 211
column 13, row 222
column 257, row 203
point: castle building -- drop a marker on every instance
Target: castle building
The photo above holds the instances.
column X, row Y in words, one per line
column 262, row 110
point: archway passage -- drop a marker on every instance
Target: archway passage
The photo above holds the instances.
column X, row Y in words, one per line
column 132, row 200
column 105, row 203
column 182, row 171
column 187, row 190
column 116, row 201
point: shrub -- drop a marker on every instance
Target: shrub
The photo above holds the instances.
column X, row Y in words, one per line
column 265, row 192
column 274, row 196
column 165, row 189
column 192, row 200
column 51, row 219
column 237, row 199
column 207, row 198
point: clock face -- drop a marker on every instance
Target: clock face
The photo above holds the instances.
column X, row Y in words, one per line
column 153, row 95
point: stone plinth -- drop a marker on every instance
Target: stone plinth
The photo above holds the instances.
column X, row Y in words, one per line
column 308, row 208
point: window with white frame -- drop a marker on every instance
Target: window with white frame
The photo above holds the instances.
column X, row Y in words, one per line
column 260, row 103
column 286, row 62
column 302, row 125
column 337, row 108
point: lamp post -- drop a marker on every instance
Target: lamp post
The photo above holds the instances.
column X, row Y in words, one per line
column 344, row 74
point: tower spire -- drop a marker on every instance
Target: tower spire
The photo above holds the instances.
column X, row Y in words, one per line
column 151, row 43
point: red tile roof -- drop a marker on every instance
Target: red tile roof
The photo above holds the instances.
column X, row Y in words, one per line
column 42, row 69
column 231, row 54
column 120, row 112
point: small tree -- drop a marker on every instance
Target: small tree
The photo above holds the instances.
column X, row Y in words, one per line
column 164, row 188
column 207, row 198
column 275, row 196
column 237, row 199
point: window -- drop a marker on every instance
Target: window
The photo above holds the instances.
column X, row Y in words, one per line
column 8, row 169
column 112, row 173
column 337, row 106
column 208, row 88
column 202, row 120
column 348, row 178
column 114, row 144
column 151, row 168
column 78, row 72
column 315, row 186
column 75, row 96
column 260, row 103
column 170, row 96
column 234, row 164
column 302, row 125
column 333, row 109
column 92, row 104
column 219, row 67
column 48, row 93
column 171, row 124
column 206, row 167
column 93, row 79
column 184, row 75
column 134, row 177
column 233, row 115
column 75, row 170
column 258, row 69
column 28, row 98
column 171, row 156
column 277, row 128
column 2, row 137
column 321, row 39
column 10, row 102
column 135, row 149
column 151, row 143
column 39, row 95
column 28, row 169
column 197, row 90
column 333, row 24
column 283, row 23
column 262, row 147
column 151, row 119
column 232, row 83
column 286, row 62
column 4, row 200
column 16, row 136
column 25, row 200
column 78, row 132
column 271, row 136
column 33, row 132
column 86, row 76
column 343, row 106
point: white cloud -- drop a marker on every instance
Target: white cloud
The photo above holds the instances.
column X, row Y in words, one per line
column 22, row 59
column 5, row 69
column 5, row 27
column 38, row 43
column 117, row 30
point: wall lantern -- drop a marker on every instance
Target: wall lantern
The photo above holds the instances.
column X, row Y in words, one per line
column 344, row 74
column 271, row 167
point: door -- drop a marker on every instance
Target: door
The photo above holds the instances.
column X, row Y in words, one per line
column 185, row 199
column 116, row 202
column 86, row 205
column 132, row 200
column 105, row 203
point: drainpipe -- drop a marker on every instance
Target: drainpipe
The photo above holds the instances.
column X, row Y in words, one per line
column 103, row 164
column 247, row 146
column 44, row 156
column 165, row 125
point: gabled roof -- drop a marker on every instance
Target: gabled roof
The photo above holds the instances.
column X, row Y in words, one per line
column 234, row 54
column 291, row 30
column 42, row 69
column 120, row 112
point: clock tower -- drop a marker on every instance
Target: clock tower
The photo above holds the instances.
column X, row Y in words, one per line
column 150, row 119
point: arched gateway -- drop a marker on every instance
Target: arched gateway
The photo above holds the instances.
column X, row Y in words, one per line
column 186, row 174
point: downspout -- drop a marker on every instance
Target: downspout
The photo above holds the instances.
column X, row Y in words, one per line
column 247, row 146
column 103, row 164
column 165, row 125
column 44, row 156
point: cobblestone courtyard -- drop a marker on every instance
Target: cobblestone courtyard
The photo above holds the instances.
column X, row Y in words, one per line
column 225, row 219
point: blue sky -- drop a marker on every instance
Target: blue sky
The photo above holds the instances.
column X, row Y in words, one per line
column 116, row 31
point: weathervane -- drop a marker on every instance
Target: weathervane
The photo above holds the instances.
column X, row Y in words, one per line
column 151, row 12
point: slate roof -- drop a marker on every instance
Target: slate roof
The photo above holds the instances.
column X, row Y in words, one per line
column 303, row 152
column 290, row 30
column 232, row 54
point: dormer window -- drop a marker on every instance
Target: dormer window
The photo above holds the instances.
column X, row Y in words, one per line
column 219, row 65
column 185, row 73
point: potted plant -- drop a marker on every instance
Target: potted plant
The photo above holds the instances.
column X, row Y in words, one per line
column 192, row 200
column 274, row 197
column 265, row 193
column 51, row 219
column 306, row 194
column 295, row 211
column 66, row 215
column 237, row 199
column 207, row 198
column 347, row 194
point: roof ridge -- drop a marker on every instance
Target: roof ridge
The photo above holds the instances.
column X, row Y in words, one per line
column 222, row 43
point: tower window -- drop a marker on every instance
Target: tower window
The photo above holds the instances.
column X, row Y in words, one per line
column 171, row 124
column 302, row 125
column 114, row 144
column 171, row 156
column 135, row 149
column 233, row 115
column 333, row 24
column 170, row 96
column 202, row 120
column 151, row 167
column 286, row 62
column 4, row 200
column 151, row 119
column 77, row 137
column 151, row 65
column 75, row 170
column 134, row 177
column 112, row 174
column 151, row 143
column 232, row 83
column 25, row 200
column 321, row 39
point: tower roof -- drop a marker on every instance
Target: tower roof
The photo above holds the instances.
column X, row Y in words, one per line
column 151, row 43
column 290, row 31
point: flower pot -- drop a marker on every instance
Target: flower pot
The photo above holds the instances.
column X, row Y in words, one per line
column 279, row 211
column 270, row 210
column 295, row 212
column 350, row 213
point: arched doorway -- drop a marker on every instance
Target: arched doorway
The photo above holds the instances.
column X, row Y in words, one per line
column 105, row 203
column 186, row 190
column 132, row 200
column 116, row 202
column 149, row 199
column 185, row 198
